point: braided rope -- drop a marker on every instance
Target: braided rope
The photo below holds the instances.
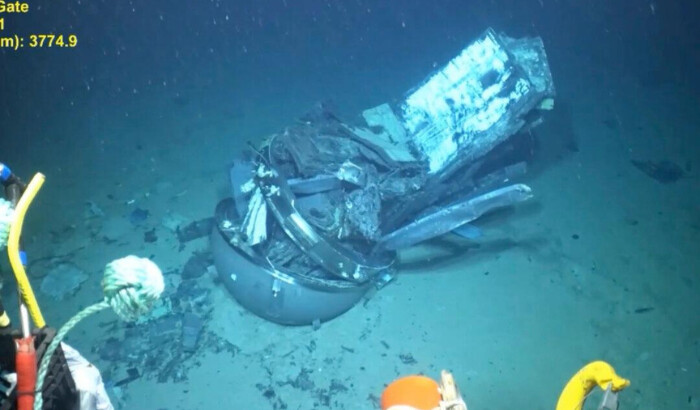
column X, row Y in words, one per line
column 46, row 360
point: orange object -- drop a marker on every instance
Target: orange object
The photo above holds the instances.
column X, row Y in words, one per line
column 25, row 361
column 419, row 392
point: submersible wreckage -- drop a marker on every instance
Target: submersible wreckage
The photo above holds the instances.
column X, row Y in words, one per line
column 317, row 214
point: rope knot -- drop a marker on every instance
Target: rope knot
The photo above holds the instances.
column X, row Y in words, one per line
column 132, row 285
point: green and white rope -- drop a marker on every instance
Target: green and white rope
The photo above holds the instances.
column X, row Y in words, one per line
column 131, row 286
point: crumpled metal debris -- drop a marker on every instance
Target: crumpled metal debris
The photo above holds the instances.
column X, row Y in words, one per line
column 334, row 195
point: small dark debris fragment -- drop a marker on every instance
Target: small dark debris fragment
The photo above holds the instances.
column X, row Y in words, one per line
column 644, row 309
column 169, row 371
column 219, row 345
column 150, row 236
column 195, row 230
column 132, row 374
column 191, row 329
column 197, row 265
column 312, row 346
column 303, row 380
column 138, row 216
column 337, row 387
column 324, row 398
column 189, row 294
column 663, row 171
column 267, row 391
column 347, row 349
column 407, row 358
column 575, row 236
column 372, row 399
column 385, row 344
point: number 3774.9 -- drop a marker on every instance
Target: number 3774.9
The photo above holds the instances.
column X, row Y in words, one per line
column 53, row 40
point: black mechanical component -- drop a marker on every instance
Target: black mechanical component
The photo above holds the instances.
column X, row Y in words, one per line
column 59, row 391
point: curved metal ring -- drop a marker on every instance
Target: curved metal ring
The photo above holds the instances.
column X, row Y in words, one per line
column 334, row 257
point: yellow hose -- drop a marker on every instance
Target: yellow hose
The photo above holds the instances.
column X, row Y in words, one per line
column 595, row 373
column 25, row 289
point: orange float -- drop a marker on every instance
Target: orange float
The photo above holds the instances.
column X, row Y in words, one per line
column 418, row 392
